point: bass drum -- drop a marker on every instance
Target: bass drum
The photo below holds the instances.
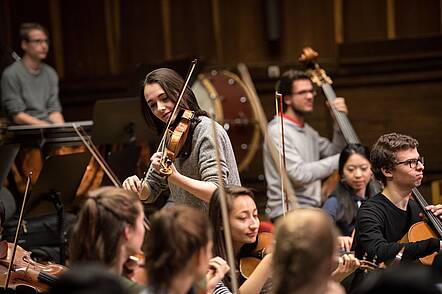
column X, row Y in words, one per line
column 224, row 96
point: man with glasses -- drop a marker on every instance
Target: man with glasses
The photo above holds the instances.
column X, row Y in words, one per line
column 385, row 218
column 309, row 157
column 29, row 87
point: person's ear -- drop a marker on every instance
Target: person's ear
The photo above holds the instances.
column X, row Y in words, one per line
column 127, row 232
column 387, row 172
column 287, row 100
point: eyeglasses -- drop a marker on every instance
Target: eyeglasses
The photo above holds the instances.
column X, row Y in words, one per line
column 39, row 41
column 305, row 92
column 412, row 163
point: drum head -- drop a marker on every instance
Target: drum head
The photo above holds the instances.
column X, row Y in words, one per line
column 224, row 96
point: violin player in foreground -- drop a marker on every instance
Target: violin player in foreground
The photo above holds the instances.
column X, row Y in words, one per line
column 194, row 171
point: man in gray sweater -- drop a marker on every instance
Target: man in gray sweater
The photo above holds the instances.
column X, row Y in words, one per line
column 309, row 157
column 29, row 87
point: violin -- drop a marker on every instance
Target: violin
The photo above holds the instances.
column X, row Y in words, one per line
column 248, row 264
column 25, row 271
column 175, row 141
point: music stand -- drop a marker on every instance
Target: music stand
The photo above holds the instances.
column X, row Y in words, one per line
column 55, row 189
column 120, row 121
column 59, row 174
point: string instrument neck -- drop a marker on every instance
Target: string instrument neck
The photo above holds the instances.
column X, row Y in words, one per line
column 434, row 221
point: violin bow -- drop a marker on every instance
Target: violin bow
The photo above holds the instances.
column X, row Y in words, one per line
column 224, row 211
column 96, row 154
column 162, row 145
column 292, row 201
column 103, row 164
column 19, row 223
column 282, row 161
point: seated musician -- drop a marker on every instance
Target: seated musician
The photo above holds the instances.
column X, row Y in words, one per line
column 109, row 230
column 244, row 225
column 29, row 87
column 194, row 173
column 355, row 187
column 305, row 253
column 178, row 253
column 386, row 217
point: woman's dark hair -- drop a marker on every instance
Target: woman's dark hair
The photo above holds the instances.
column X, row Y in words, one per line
column 347, row 211
column 172, row 84
column 87, row 278
column 99, row 230
column 176, row 233
column 215, row 217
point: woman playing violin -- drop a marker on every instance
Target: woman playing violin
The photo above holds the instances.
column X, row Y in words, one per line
column 194, row 172
column 109, row 230
column 244, row 225
column 178, row 253
column 356, row 185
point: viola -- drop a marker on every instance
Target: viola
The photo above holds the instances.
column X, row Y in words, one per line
column 25, row 271
column 248, row 264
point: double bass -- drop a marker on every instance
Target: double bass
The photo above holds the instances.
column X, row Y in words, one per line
column 320, row 78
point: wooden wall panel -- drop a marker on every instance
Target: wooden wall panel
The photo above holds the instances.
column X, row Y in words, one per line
column 84, row 37
column 415, row 18
column 243, row 31
column 192, row 29
column 307, row 23
column 364, row 20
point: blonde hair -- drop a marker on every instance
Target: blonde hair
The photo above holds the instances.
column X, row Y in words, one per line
column 305, row 239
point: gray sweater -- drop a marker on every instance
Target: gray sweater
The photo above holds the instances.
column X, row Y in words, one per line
column 309, row 159
column 200, row 165
column 34, row 94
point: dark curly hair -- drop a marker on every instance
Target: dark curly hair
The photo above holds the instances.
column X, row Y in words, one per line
column 383, row 152
column 285, row 84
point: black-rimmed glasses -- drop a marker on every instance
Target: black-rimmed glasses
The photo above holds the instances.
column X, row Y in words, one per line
column 412, row 163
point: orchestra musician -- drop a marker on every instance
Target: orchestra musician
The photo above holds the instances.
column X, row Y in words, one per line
column 244, row 226
column 386, row 217
column 354, row 188
column 309, row 157
column 305, row 253
column 179, row 253
column 194, row 172
column 109, row 229
column 29, row 87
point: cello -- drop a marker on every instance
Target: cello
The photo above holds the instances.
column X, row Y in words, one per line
column 432, row 228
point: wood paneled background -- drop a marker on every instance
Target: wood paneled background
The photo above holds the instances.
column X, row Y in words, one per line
column 385, row 56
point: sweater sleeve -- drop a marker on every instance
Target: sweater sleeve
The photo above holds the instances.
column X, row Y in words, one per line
column 12, row 101
column 300, row 171
column 53, row 103
column 374, row 243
